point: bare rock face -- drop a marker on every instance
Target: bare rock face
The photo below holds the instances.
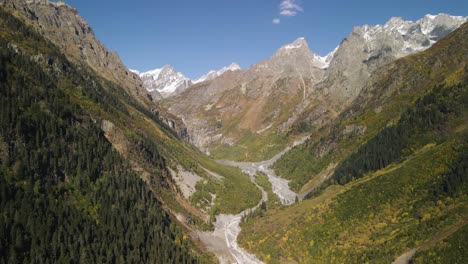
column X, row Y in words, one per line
column 63, row 25
column 215, row 74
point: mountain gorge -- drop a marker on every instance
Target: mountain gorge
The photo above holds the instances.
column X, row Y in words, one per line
column 358, row 156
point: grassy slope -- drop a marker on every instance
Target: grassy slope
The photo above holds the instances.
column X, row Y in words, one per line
column 368, row 220
column 386, row 213
column 452, row 249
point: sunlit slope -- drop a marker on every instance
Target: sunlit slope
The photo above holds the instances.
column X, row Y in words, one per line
column 391, row 91
column 397, row 177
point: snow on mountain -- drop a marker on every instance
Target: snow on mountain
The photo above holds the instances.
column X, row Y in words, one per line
column 368, row 48
column 300, row 46
column 395, row 39
column 214, row 74
column 408, row 36
column 165, row 81
column 297, row 44
column 134, row 71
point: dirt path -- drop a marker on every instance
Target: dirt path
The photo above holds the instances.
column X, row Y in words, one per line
column 407, row 256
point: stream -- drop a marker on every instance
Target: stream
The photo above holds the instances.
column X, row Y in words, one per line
column 223, row 240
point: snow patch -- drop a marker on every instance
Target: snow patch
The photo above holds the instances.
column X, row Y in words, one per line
column 214, row 74
column 298, row 43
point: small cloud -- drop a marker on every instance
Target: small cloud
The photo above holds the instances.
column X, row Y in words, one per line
column 290, row 8
column 288, row 13
column 276, row 21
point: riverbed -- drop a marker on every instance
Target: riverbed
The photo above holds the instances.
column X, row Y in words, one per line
column 223, row 240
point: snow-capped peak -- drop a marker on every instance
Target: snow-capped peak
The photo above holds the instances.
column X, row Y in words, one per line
column 297, row 44
column 213, row 74
column 166, row 81
column 409, row 36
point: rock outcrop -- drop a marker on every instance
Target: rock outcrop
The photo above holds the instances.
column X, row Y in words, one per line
column 63, row 25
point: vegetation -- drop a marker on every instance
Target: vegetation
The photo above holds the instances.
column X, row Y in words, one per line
column 251, row 147
column 234, row 193
column 405, row 183
column 454, row 249
column 299, row 165
column 424, row 123
column 66, row 195
column 273, row 200
column 368, row 220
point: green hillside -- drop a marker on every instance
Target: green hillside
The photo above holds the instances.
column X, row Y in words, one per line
column 397, row 186
column 84, row 167
column 66, row 195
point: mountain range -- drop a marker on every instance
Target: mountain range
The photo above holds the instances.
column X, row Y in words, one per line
column 239, row 112
column 358, row 156
column 165, row 82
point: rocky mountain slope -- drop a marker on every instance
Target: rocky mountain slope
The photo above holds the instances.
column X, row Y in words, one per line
column 251, row 114
column 214, row 74
column 62, row 25
column 369, row 47
column 243, row 105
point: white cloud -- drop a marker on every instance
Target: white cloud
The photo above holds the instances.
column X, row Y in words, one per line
column 288, row 13
column 290, row 8
column 276, row 21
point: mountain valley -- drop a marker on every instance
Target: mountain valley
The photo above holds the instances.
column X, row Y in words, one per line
column 358, row 156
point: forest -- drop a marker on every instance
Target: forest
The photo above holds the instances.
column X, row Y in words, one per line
column 66, row 195
column 427, row 122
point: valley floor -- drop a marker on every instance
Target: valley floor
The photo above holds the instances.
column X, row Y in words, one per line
column 223, row 240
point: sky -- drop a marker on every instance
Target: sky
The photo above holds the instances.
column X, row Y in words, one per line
column 196, row 36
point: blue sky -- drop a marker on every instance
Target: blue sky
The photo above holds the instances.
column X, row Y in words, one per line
column 195, row 36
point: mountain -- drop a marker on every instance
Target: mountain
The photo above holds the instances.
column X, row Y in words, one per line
column 164, row 82
column 241, row 106
column 238, row 116
column 80, row 148
column 92, row 170
column 72, row 182
column 369, row 47
column 214, row 74
column 387, row 179
column 62, row 25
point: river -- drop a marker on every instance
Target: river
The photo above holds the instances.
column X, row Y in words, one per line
column 223, row 240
